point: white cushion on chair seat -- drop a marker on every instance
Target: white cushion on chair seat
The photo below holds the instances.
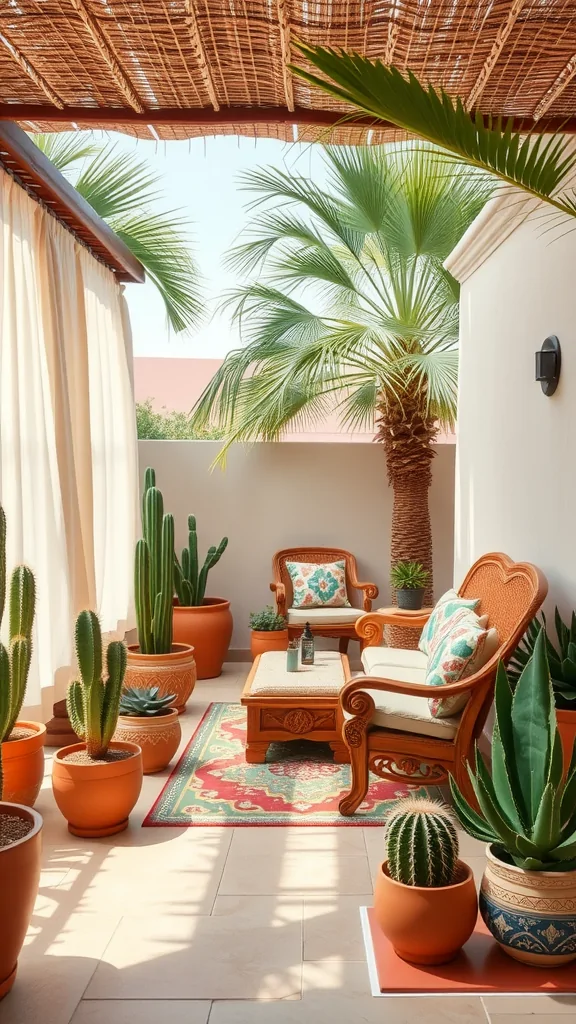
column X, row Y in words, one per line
column 323, row 616
column 378, row 661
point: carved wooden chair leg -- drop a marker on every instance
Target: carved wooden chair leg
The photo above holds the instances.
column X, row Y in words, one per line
column 343, row 644
column 359, row 776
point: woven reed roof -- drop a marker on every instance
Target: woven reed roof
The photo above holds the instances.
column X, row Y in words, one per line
column 176, row 69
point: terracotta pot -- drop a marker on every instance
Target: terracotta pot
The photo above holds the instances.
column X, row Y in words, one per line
column 158, row 737
column 19, row 878
column 23, row 762
column 172, row 673
column 208, row 629
column 426, row 926
column 531, row 914
column 268, row 640
column 566, row 721
column 96, row 799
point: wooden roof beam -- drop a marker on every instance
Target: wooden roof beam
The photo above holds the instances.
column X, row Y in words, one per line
column 501, row 38
column 557, row 88
column 284, row 23
column 100, row 41
column 27, row 67
column 200, row 54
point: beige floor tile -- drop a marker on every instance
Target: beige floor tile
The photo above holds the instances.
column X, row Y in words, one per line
column 141, row 1011
column 58, row 931
column 47, row 990
column 525, row 1018
column 295, row 872
column 374, row 839
column 276, row 911
column 181, row 957
column 277, row 841
column 514, row 1009
column 332, row 928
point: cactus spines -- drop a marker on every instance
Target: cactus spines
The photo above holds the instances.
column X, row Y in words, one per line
column 421, row 844
column 93, row 704
column 154, row 572
column 190, row 584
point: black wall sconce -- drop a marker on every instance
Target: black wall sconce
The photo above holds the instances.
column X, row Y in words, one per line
column 548, row 363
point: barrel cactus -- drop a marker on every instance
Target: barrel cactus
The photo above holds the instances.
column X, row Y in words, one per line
column 93, row 703
column 189, row 580
column 15, row 659
column 422, row 844
column 154, row 572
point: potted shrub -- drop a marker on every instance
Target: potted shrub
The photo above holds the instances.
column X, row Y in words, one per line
column 156, row 660
column 269, row 631
column 409, row 580
column 204, row 622
column 527, row 813
column 424, row 898
column 96, row 782
column 22, row 742
column 147, row 719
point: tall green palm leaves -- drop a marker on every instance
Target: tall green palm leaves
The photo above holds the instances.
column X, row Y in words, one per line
column 347, row 303
column 123, row 190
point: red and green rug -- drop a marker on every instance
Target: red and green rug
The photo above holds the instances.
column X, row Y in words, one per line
column 298, row 785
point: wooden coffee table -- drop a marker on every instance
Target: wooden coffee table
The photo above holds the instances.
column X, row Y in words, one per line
column 304, row 705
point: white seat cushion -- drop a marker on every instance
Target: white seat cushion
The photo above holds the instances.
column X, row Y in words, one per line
column 379, row 661
column 324, row 678
column 322, row 616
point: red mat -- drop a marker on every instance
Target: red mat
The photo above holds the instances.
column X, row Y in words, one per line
column 480, row 968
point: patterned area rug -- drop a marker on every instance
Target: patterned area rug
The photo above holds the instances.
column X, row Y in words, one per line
column 298, row 785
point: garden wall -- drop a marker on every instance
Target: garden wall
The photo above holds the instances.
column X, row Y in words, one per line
column 272, row 496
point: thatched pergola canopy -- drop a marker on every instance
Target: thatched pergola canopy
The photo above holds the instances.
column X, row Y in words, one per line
column 176, row 69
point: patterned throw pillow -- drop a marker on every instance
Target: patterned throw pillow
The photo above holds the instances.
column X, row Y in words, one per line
column 318, row 586
column 456, row 656
column 445, row 614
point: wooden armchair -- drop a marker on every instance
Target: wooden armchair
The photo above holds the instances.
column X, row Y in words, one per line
column 510, row 595
column 330, row 622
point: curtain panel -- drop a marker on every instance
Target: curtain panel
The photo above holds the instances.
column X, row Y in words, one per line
column 68, row 451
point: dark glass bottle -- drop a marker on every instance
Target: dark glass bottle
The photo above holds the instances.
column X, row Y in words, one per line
column 307, row 646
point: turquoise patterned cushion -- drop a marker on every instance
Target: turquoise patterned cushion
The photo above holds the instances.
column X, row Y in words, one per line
column 445, row 614
column 318, row 586
column 453, row 658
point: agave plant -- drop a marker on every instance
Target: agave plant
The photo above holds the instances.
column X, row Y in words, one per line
column 409, row 576
column 527, row 805
column 145, row 702
column 562, row 660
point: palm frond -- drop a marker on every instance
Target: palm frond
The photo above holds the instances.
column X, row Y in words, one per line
column 115, row 184
column 65, row 149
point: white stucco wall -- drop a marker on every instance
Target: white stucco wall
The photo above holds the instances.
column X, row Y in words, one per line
column 516, row 448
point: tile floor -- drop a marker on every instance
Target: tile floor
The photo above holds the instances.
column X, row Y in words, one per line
column 226, row 926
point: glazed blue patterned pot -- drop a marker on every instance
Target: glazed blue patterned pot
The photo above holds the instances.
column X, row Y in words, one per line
column 531, row 914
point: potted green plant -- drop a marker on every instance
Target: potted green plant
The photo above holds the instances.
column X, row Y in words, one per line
column 96, row 782
column 158, row 659
column 425, row 897
column 146, row 718
column 527, row 814
column 269, row 631
column 204, row 622
column 409, row 580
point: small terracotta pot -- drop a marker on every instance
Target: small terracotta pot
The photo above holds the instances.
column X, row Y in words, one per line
column 208, row 629
column 172, row 673
column 426, row 926
column 23, row 763
column 96, row 799
column 268, row 640
column 566, row 721
column 157, row 736
column 19, row 878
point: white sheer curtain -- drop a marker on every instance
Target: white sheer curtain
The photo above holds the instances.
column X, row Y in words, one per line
column 68, row 453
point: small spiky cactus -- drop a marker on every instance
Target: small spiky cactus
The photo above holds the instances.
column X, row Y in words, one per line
column 92, row 703
column 145, row 702
column 421, row 844
column 154, row 572
column 189, row 583
column 14, row 661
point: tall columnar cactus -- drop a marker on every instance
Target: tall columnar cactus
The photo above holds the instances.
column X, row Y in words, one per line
column 189, row 583
column 154, row 572
column 422, row 844
column 93, row 704
column 15, row 660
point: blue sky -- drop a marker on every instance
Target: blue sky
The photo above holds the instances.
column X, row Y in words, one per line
column 201, row 178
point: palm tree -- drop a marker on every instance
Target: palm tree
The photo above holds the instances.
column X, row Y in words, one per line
column 349, row 304
column 123, row 190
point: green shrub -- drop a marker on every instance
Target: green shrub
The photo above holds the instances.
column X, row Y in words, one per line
column 409, row 576
column 168, row 425
column 267, row 621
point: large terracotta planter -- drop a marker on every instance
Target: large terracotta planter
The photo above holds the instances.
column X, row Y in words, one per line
column 566, row 721
column 158, row 737
column 19, row 878
column 96, row 799
column 268, row 640
column 172, row 673
column 426, row 926
column 531, row 914
column 208, row 629
column 23, row 762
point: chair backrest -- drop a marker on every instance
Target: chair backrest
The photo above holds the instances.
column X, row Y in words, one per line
column 319, row 556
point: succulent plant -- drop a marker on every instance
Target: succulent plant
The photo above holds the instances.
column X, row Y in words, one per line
column 93, row 703
column 268, row 620
column 421, row 843
column 14, row 660
column 189, row 581
column 409, row 576
column 145, row 702
column 154, row 572
column 562, row 660
column 527, row 807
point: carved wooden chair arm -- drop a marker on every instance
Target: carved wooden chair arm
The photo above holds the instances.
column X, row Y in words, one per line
column 371, row 627
column 280, row 590
column 352, row 702
column 370, row 589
